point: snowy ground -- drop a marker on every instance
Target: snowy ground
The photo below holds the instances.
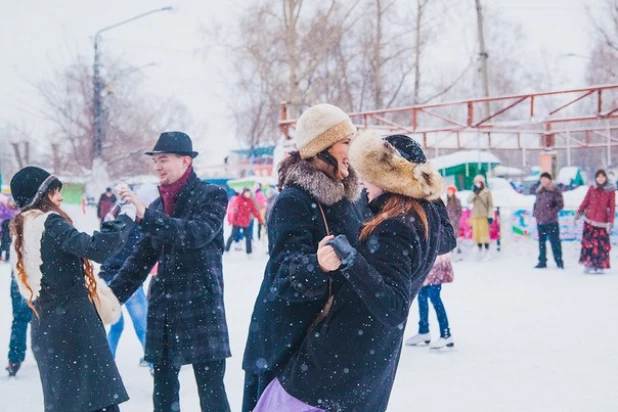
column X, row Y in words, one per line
column 526, row 340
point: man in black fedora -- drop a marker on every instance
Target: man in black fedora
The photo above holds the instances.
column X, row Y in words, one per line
column 182, row 230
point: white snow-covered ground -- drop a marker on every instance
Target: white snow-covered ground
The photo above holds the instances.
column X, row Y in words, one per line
column 526, row 340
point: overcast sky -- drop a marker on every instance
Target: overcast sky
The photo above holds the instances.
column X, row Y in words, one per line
column 37, row 36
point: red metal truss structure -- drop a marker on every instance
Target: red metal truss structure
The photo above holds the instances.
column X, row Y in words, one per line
column 565, row 119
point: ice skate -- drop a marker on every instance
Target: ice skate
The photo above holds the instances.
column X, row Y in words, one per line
column 12, row 368
column 420, row 339
column 442, row 343
column 485, row 255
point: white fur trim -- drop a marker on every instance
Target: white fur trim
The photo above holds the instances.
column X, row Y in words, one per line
column 321, row 126
column 34, row 227
column 108, row 306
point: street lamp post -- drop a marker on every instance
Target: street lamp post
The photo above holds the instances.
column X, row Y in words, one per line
column 97, row 83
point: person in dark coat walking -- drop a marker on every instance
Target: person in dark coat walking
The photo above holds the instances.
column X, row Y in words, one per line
column 548, row 204
column 348, row 360
column 598, row 209
column 106, row 204
column 55, row 275
column 20, row 310
column 317, row 190
column 19, row 329
column 239, row 217
column 5, row 235
column 182, row 230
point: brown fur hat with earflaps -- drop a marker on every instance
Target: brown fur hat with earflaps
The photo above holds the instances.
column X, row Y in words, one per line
column 395, row 164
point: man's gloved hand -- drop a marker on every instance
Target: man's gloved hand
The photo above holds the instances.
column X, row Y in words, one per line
column 490, row 220
column 344, row 250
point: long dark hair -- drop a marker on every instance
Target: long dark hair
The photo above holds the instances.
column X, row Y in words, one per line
column 294, row 157
column 17, row 232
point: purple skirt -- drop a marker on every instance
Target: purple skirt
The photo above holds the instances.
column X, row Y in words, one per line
column 276, row 399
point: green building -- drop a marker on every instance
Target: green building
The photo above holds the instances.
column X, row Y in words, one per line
column 459, row 168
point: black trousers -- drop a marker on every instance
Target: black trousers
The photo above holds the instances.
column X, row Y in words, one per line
column 209, row 378
column 551, row 232
column 235, row 231
column 255, row 385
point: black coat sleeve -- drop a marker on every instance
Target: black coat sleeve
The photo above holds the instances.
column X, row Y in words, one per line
column 135, row 269
column 295, row 273
column 382, row 278
column 193, row 233
column 448, row 240
column 98, row 247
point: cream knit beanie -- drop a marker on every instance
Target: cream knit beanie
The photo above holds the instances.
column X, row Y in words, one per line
column 320, row 127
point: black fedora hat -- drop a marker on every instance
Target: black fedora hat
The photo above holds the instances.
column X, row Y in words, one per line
column 174, row 142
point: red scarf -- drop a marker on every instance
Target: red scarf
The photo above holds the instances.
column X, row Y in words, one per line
column 169, row 193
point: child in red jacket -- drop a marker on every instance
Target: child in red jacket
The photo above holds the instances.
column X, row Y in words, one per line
column 239, row 216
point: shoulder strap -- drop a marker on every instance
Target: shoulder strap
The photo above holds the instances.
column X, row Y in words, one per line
column 329, row 302
column 324, row 219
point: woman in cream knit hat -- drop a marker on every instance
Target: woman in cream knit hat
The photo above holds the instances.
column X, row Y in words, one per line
column 317, row 188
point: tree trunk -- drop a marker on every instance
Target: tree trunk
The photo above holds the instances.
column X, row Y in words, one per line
column 417, row 51
column 378, row 99
column 483, row 56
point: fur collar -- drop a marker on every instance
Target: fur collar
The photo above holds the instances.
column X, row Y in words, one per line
column 320, row 186
column 34, row 226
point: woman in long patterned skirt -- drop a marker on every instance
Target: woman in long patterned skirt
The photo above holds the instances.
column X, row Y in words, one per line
column 598, row 209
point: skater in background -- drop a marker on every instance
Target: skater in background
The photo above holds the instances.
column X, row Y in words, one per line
column 548, row 204
column 230, row 207
column 317, row 190
column 106, row 204
column 348, row 359
column 137, row 304
column 5, row 235
column 20, row 310
column 19, row 328
column 453, row 207
column 239, row 216
column 598, row 209
column 442, row 272
column 55, row 275
column 481, row 216
column 261, row 202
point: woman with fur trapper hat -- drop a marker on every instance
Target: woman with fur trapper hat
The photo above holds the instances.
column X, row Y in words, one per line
column 348, row 359
column 51, row 261
column 317, row 189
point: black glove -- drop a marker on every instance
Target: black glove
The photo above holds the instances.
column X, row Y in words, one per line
column 344, row 250
column 490, row 220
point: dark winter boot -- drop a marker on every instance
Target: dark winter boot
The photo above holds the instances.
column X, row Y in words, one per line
column 560, row 265
column 12, row 368
column 541, row 266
